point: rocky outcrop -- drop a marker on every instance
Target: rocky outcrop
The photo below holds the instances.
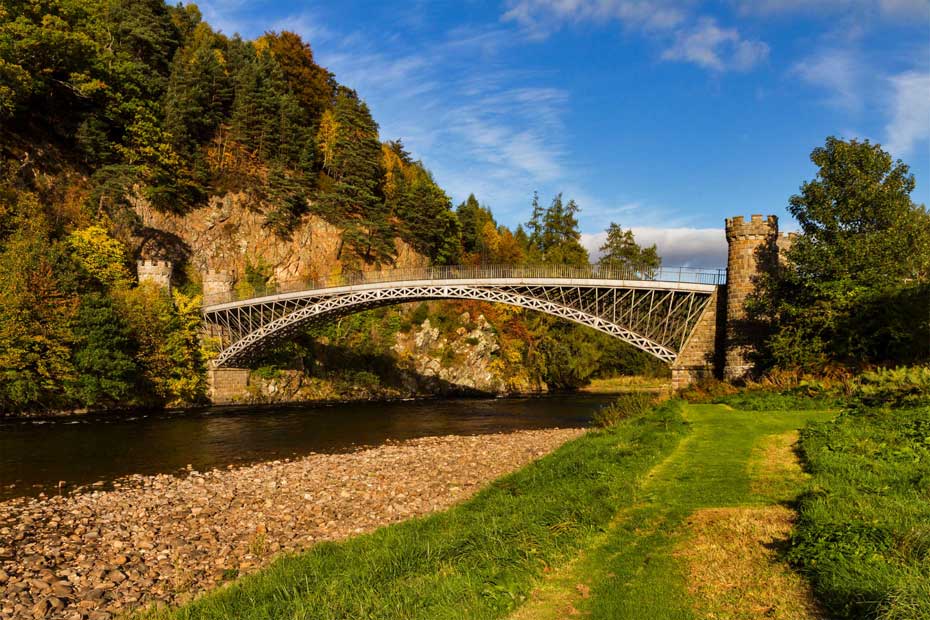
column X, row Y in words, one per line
column 230, row 231
column 459, row 361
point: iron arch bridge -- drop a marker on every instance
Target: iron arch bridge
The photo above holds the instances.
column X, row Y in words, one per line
column 655, row 311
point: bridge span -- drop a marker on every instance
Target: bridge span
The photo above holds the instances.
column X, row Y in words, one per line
column 656, row 311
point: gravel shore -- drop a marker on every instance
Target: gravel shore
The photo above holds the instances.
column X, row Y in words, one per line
column 163, row 539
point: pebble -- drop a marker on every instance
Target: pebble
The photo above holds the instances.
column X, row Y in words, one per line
column 156, row 540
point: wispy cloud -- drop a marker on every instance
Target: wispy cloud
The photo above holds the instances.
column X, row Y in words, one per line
column 910, row 113
column 481, row 126
column 719, row 49
column 686, row 37
column 539, row 18
column 838, row 72
column 890, row 9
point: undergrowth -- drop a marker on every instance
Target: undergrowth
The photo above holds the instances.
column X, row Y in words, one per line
column 863, row 534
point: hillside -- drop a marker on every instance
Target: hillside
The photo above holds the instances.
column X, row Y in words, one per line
column 132, row 130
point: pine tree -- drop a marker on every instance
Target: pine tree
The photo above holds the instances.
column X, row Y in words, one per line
column 620, row 251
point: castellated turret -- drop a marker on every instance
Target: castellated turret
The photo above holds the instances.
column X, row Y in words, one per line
column 157, row 271
column 218, row 286
column 747, row 243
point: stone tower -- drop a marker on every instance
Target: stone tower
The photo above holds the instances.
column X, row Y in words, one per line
column 157, row 271
column 750, row 245
column 218, row 287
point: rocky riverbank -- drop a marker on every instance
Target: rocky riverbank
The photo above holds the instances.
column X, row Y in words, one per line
column 162, row 539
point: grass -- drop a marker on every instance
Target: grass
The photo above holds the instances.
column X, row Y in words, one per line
column 640, row 570
column 863, row 535
column 628, row 383
column 477, row 560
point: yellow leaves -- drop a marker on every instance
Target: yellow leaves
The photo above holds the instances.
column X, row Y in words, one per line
column 326, row 138
column 101, row 255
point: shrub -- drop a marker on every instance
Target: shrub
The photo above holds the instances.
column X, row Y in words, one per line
column 897, row 387
column 706, row 390
column 788, row 400
column 624, row 406
column 862, row 535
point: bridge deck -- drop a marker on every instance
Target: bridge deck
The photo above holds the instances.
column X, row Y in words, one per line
column 665, row 278
column 496, row 282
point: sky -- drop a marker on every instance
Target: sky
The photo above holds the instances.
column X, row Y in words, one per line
column 662, row 116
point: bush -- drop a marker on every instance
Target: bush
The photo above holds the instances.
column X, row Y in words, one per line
column 788, row 400
column 625, row 406
column 898, row 387
column 706, row 390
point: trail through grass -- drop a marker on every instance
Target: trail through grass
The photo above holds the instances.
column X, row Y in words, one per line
column 737, row 464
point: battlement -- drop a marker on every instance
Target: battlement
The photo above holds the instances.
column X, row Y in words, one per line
column 157, row 271
column 219, row 276
column 756, row 228
column 218, row 286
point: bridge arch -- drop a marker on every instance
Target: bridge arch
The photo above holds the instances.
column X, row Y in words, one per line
column 655, row 315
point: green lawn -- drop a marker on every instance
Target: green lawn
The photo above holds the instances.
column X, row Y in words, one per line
column 598, row 525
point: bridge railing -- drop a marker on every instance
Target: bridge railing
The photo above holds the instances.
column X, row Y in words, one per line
column 687, row 275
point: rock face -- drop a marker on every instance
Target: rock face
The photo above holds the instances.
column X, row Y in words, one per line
column 460, row 362
column 230, row 231
column 162, row 539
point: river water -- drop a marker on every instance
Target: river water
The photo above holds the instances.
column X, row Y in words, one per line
column 35, row 455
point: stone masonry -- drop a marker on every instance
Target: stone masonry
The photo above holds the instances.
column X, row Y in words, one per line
column 749, row 244
column 157, row 271
column 218, row 287
column 699, row 357
column 227, row 386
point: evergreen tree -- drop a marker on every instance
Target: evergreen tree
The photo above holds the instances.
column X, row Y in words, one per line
column 620, row 251
column 103, row 354
column 348, row 141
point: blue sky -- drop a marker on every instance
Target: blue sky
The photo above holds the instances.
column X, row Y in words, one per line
column 662, row 116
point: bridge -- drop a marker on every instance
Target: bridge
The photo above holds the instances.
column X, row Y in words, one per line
column 692, row 319
column 655, row 311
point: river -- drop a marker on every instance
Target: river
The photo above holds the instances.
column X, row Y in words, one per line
column 37, row 454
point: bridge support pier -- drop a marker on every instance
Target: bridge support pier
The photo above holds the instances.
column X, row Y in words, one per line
column 226, row 386
column 701, row 357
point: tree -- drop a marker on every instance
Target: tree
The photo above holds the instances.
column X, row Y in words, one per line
column 103, row 257
column 554, row 235
column 620, row 251
column 854, row 287
column 103, row 355
column 350, row 196
column 36, row 307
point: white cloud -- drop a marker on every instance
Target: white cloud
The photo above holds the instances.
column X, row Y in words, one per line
column 910, row 113
column 719, row 49
column 697, row 40
column 678, row 247
column 891, row 9
column 540, row 17
column 837, row 71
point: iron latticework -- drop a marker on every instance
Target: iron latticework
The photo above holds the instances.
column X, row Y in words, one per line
column 652, row 314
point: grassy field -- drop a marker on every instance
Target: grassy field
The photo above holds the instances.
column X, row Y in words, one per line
column 619, row 385
column 617, row 524
column 863, row 536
